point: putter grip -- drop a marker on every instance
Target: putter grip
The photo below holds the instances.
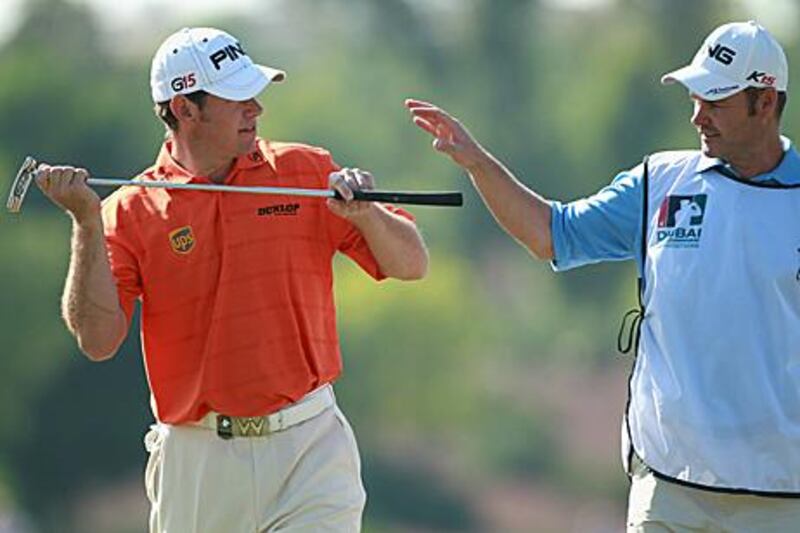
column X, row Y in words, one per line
column 414, row 198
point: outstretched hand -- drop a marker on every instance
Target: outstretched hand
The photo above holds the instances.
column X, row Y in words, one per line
column 450, row 136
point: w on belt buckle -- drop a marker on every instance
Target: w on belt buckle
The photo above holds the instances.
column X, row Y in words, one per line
column 241, row 426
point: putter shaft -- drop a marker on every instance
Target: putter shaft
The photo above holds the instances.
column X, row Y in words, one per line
column 114, row 182
column 416, row 198
column 29, row 169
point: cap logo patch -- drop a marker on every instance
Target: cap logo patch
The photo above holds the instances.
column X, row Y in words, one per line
column 722, row 90
column 186, row 81
column 721, row 53
column 761, row 77
column 231, row 52
column 182, row 240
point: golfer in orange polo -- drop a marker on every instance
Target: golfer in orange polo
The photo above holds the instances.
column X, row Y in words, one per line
column 237, row 313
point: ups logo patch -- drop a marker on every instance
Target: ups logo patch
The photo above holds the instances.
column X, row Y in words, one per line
column 182, row 240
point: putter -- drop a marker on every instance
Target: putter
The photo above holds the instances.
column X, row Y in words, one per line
column 29, row 169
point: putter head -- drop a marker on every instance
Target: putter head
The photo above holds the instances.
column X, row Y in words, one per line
column 21, row 184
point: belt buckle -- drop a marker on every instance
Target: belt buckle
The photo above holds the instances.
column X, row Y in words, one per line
column 251, row 426
column 224, row 427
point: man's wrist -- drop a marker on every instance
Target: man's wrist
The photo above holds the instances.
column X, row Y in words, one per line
column 87, row 221
column 367, row 217
column 480, row 162
column 475, row 167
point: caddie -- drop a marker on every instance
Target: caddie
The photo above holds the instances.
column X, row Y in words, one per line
column 711, row 434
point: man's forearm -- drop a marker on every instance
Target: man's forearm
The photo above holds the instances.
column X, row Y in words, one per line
column 395, row 243
column 523, row 213
column 90, row 305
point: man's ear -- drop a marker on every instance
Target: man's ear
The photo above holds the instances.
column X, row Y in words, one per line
column 184, row 109
column 767, row 103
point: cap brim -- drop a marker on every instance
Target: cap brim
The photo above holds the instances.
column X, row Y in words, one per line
column 246, row 83
column 703, row 83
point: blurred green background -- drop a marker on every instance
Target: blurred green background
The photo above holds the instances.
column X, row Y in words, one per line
column 487, row 397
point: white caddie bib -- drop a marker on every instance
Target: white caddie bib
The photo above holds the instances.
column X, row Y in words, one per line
column 715, row 390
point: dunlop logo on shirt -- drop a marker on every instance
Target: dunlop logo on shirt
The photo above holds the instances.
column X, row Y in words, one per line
column 182, row 240
column 279, row 210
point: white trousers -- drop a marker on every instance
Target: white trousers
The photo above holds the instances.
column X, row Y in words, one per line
column 658, row 506
column 304, row 478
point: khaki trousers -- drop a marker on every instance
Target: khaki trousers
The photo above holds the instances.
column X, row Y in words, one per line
column 658, row 506
column 304, row 478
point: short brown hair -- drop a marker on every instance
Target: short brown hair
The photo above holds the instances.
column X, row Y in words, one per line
column 752, row 94
column 163, row 111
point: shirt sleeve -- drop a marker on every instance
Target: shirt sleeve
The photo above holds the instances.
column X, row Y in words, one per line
column 603, row 227
column 122, row 258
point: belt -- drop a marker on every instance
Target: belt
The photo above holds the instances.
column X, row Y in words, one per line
column 309, row 406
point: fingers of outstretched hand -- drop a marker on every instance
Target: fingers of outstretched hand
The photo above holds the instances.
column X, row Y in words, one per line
column 413, row 103
column 444, row 138
column 420, row 106
column 424, row 124
column 449, row 135
column 428, row 111
column 435, row 121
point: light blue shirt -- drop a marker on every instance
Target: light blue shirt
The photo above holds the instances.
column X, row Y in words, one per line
column 607, row 226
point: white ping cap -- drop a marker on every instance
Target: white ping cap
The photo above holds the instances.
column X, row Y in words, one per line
column 207, row 59
column 733, row 57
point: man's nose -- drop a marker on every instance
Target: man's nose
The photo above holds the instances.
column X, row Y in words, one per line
column 253, row 108
column 699, row 113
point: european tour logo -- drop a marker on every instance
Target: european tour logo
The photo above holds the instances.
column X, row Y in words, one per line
column 680, row 220
column 182, row 240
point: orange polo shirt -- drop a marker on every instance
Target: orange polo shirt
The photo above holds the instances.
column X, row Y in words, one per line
column 236, row 289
